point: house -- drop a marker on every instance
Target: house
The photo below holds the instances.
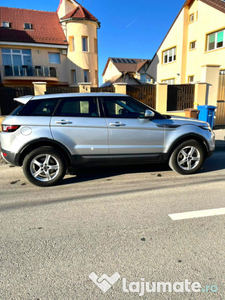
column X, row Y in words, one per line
column 194, row 42
column 130, row 71
column 60, row 48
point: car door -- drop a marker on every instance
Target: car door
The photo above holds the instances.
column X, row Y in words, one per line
column 80, row 126
column 130, row 134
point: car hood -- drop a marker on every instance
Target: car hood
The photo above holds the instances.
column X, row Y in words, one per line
column 175, row 120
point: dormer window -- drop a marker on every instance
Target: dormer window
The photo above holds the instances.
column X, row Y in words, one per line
column 27, row 26
column 6, row 24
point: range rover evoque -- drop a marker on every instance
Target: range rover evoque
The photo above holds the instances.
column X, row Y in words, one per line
column 49, row 134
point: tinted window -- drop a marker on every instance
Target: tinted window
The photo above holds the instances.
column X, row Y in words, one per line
column 43, row 107
column 78, row 107
column 123, row 107
column 15, row 112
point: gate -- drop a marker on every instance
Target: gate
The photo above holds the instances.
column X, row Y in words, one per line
column 143, row 93
column 7, row 94
column 220, row 112
column 180, row 96
column 107, row 89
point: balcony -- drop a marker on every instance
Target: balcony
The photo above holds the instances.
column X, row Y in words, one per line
column 29, row 71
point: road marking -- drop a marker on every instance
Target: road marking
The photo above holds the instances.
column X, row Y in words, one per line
column 198, row 214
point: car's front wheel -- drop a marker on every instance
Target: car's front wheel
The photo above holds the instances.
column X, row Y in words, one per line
column 187, row 158
column 44, row 166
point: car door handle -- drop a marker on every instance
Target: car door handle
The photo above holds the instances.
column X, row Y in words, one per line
column 63, row 122
column 117, row 124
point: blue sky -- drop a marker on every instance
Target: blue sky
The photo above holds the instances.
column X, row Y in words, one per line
column 130, row 29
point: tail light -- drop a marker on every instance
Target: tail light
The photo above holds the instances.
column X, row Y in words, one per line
column 9, row 128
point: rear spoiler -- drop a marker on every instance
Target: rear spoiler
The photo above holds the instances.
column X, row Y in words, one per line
column 23, row 99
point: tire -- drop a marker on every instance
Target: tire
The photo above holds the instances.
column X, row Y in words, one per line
column 187, row 158
column 44, row 166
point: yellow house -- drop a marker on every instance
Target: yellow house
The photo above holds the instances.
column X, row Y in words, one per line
column 193, row 50
column 80, row 28
column 59, row 48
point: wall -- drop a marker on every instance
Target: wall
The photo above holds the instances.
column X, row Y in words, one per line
column 111, row 72
column 79, row 60
column 209, row 20
column 157, row 69
column 40, row 58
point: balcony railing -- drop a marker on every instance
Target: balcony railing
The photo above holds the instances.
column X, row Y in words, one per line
column 36, row 71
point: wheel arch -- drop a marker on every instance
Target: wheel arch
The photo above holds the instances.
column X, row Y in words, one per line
column 191, row 136
column 40, row 143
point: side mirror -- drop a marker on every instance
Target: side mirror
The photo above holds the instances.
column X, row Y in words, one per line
column 149, row 114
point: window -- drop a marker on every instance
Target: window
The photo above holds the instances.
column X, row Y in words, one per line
column 78, row 107
column 169, row 81
column 39, row 107
column 169, row 55
column 215, row 40
column 96, row 45
column 54, row 58
column 74, row 77
column 143, row 78
column 6, row 24
column 71, row 44
column 86, row 75
column 193, row 45
column 191, row 18
column 124, row 107
column 191, row 79
column 85, row 43
column 222, row 72
column 27, row 26
column 96, row 77
column 16, row 57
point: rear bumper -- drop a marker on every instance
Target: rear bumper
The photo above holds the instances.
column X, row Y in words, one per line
column 9, row 157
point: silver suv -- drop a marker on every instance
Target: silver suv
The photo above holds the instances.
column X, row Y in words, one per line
column 50, row 134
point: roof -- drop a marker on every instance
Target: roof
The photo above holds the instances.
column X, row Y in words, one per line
column 123, row 78
column 23, row 99
column 124, row 66
column 46, row 28
column 217, row 4
column 80, row 12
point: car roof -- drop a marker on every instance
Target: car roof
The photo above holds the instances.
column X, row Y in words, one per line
column 25, row 99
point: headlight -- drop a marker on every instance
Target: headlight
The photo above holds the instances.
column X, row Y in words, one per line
column 206, row 128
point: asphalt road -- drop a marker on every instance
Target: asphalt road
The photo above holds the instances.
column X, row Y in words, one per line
column 107, row 221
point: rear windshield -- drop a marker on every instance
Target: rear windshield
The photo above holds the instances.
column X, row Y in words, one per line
column 16, row 110
column 44, row 107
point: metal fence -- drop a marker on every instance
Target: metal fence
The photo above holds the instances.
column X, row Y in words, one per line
column 143, row 93
column 7, row 94
column 108, row 89
column 180, row 96
column 61, row 89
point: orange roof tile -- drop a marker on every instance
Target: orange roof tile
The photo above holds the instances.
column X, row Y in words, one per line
column 46, row 28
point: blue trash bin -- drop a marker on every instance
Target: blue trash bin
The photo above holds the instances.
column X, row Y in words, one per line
column 207, row 113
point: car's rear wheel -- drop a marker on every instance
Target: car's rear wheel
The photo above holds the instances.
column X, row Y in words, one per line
column 44, row 166
column 187, row 158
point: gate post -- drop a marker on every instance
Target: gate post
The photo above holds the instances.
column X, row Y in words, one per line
column 39, row 88
column 120, row 88
column 84, row 87
column 161, row 97
column 210, row 75
column 200, row 96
